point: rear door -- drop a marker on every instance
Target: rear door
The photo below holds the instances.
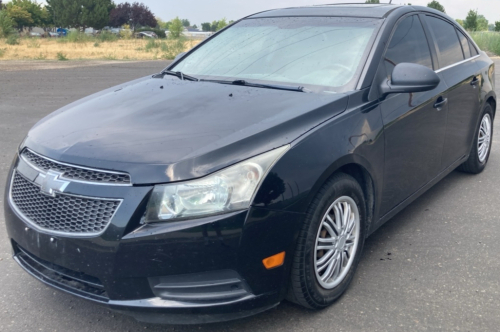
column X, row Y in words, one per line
column 414, row 123
column 457, row 67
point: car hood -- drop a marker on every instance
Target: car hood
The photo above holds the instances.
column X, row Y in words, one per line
column 163, row 130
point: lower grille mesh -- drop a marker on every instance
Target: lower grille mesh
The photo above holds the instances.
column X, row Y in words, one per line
column 62, row 213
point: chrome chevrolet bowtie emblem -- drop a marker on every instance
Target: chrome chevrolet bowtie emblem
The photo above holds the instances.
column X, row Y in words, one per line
column 50, row 183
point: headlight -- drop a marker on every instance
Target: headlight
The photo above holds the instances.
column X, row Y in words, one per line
column 231, row 189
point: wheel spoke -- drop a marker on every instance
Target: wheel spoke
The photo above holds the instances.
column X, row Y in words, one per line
column 338, row 218
column 327, row 240
column 325, row 259
column 331, row 267
column 332, row 223
column 326, row 247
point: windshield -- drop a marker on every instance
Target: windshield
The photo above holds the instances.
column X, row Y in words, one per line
column 315, row 52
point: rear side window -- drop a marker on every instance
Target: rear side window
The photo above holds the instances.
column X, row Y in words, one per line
column 447, row 41
column 408, row 44
column 465, row 45
column 473, row 50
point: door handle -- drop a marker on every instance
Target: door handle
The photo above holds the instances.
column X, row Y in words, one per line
column 440, row 103
column 475, row 82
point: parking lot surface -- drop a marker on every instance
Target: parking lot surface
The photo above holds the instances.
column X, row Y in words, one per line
column 435, row 266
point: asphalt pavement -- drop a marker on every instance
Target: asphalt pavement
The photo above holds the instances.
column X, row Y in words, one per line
column 433, row 267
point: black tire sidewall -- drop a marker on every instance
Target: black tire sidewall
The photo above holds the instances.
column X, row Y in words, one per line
column 345, row 186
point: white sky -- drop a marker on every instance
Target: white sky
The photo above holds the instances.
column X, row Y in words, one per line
column 198, row 11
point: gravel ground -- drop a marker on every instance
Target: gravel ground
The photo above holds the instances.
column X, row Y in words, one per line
column 434, row 266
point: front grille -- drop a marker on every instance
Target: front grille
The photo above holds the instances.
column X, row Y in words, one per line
column 62, row 213
column 75, row 172
column 77, row 283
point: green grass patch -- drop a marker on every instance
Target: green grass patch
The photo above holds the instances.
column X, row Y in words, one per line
column 61, row 56
column 2, row 52
column 487, row 40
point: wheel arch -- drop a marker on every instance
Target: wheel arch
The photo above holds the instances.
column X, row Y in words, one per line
column 360, row 169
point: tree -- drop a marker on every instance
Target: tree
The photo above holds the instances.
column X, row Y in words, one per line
column 482, row 23
column 19, row 16
column 176, row 28
column 372, row 1
column 206, row 27
column 134, row 14
column 185, row 22
column 491, row 27
column 95, row 13
column 39, row 14
column 436, row 5
column 222, row 24
column 214, row 25
column 497, row 26
column 459, row 21
column 6, row 24
column 471, row 21
column 80, row 13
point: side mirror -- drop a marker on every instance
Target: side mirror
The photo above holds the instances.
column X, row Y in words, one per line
column 180, row 55
column 410, row 77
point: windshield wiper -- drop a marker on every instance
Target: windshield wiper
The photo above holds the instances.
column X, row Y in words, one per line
column 260, row 85
column 178, row 74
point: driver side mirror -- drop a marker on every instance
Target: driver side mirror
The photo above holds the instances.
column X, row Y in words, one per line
column 410, row 77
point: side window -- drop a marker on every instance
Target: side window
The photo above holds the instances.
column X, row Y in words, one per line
column 408, row 44
column 465, row 44
column 447, row 41
column 473, row 50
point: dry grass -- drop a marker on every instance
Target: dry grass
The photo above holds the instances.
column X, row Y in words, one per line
column 123, row 49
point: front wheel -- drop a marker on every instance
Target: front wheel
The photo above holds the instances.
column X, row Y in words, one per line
column 481, row 147
column 329, row 245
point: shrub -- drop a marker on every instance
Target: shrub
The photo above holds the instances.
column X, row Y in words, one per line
column 33, row 43
column 106, row 36
column 6, row 24
column 172, row 48
column 41, row 56
column 2, row 52
column 488, row 41
column 96, row 44
column 126, row 34
column 76, row 37
column 12, row 40
column 152, row 44
column 61, row 56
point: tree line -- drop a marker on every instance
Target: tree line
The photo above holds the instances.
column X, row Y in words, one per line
column 76, row 14
column 473, row 21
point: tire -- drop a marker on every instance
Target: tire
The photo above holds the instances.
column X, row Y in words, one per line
column 476, row 162
column 306, row 286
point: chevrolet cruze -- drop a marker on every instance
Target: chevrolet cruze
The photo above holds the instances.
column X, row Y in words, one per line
column 252, row 169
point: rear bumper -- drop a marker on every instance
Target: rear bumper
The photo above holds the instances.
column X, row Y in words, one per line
column 194, row 271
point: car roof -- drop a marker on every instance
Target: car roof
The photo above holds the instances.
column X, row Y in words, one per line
column 343, row 10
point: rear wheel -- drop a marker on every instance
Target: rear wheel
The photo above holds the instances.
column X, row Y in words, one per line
column 329, row 245
column 481, row 147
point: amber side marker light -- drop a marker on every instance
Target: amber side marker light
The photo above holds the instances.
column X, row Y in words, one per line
column 274, row 261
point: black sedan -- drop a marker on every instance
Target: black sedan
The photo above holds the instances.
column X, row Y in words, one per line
column 253, row 168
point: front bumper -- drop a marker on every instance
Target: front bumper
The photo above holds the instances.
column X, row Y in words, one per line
column 194, row 271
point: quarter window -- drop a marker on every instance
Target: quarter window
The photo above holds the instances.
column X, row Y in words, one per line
column 465, row 45
column 408, row 44
column 447, row 41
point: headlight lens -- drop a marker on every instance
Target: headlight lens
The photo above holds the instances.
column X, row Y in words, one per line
column 228, row 190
